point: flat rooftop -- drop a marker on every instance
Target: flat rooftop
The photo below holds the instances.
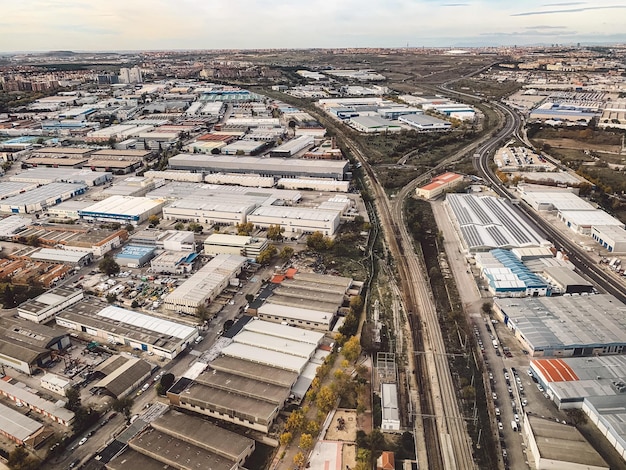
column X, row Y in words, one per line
column 296, row 313
column 567, row 321
column 563, row 443
column 222, row 401
column 124, row 205
column 244, row 386
column 489, row 222
column 49, row 298
column 174, row 452
column 265, row 356
column 241, row 367
column 283, row 331
column 202, row 433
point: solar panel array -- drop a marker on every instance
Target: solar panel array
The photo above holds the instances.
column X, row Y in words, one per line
column 488, row 222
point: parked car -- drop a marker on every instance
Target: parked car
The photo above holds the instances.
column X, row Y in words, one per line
column 82, row 441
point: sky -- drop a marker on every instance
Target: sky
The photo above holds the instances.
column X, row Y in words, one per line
column 88, row 25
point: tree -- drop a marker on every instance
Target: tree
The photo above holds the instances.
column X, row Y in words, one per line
column 295, row 422
column 275, row 232
column 154, row 220
column 129, row 228
column 202, row 312
column 179, row 226
column 194, row 227
column 306, row 441
column 109, row 266
column 249, row 298
column 167, row 381
column 286, row 438
column 73, row 399
column 265, row 256
column 352, row 349
column 286, row 253
column 123, row 405
column 486, row 308
column 318, row 242
column 356, row 304
column 576, row 416
column 245, row 228
column 20, row 459
column 299, row 459
column 326, row 399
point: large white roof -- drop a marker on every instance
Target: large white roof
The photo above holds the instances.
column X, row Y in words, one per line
column 148, row 322
column 272, row 343
column 491, row 222
column 296, row 313
column 265, row 356
column 284, row 331
column 303, row 213
column 124, row 205
column 201, row 285
column 590, row 218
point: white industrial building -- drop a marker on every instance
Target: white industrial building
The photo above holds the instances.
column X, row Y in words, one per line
column 255, row 181
column 40, row 198
column 562, row 326
column 44, row 307
column 611, row 237
column 227, row 193
column 63, row 175
column 594, row 384
column 276, row 167
column 258, row 370
column 12, row 188
column 174, row 176
column 295, row 316
column 583, row 221
column 68, row 209
column 292, row 147
column 373, row 124
column 209, row 211
column 487, row 222
column 314, row 184
column 115, row 325
column 55, row 384
column 172, row 262
column 221, row 243
column 297, row 220
column 171, row 240
column 205, row 285
column 542, row 198
column 390, row 408
column 424, row 123
column 122, row 209
column 53, row 255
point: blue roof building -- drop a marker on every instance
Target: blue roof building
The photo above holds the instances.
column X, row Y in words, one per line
column 134, row 256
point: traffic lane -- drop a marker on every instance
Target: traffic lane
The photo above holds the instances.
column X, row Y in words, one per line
column 512, row 440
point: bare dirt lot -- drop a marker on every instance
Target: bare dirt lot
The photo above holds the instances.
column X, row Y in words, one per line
column 348, row 433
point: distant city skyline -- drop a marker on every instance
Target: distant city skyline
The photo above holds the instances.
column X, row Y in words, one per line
column 43, row 25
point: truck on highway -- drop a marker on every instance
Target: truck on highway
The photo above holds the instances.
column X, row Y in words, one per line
column 514, row 426
column 495, row 343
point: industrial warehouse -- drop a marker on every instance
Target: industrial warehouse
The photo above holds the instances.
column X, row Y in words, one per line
column 122, row 209
column 276, row 167
column 594, row 384
column 115, row 325
column 306, row 300
column 181, row 437
column 251, row 380
column 205, row 285
column 487, row 222
column 38, row 199
column 559, row 326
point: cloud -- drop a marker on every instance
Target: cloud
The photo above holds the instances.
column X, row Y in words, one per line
column 455, row 5
column 546, row 27
column 571, row 10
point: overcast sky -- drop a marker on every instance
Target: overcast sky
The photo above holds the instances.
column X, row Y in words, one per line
column 41, row 25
